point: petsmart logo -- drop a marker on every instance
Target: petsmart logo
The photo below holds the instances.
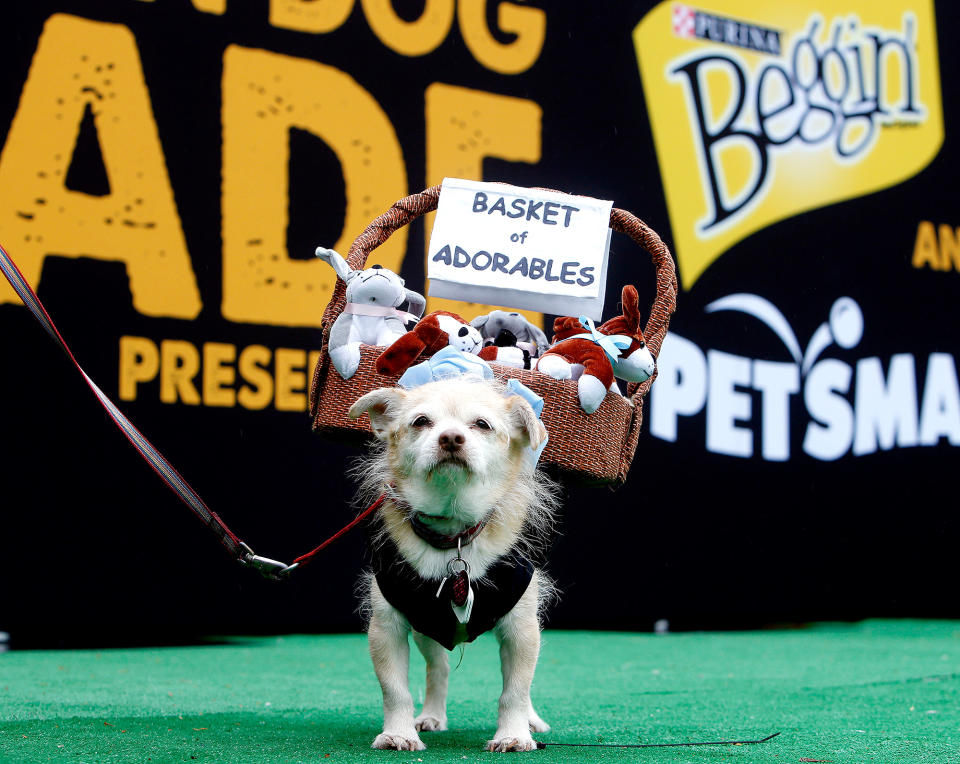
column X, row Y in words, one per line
column 796, row 109
column 850, row 405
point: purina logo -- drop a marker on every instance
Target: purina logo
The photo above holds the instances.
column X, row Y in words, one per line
column 852, row 406
column 688, row 22
column 770, row 109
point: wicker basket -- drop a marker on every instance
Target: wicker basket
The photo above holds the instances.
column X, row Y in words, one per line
column 596, row 448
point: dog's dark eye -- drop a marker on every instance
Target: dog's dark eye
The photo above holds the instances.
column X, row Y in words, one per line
column 482, row 424
column 421, row 421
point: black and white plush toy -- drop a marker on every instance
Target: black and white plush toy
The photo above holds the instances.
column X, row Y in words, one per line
column 371, row 315
column 436, row 331
column 506, row 351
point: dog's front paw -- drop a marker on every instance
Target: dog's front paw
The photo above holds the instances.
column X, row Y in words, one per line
column 555, row 366
column 346, row 359
column 591, row 392
column 538, row 725
column 387, row 742
column 426, row 723
column 518, row 743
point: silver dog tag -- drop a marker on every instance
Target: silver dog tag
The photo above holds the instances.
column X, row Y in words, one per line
column 462, row 612
column 461, row 595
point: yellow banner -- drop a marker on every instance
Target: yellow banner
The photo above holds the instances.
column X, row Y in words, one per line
column 761, row 111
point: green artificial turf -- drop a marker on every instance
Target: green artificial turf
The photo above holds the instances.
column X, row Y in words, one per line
column 884, row 691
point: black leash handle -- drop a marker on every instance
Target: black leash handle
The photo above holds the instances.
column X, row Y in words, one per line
column 541, row 746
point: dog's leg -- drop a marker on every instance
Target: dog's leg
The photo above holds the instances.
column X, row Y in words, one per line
column 554, row 365
column 434, row 713
column 536, row 723
column 519, row 635
column 390, row 649
column 346, row 359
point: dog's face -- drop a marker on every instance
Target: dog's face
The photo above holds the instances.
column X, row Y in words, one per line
column 452, row 437
column 375, row 286
column 460, row 335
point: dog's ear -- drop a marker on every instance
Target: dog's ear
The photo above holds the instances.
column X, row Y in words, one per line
column 565, row 326
column 525, row 421
column 480, row 321
column 406, row 349
column 415, row 301
column 631, row 306
column 336, row 261
column 381, row 406
column 539, row 338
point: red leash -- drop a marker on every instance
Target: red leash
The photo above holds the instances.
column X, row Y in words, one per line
column 274, row 569
column 305, row 558
column 241, row 551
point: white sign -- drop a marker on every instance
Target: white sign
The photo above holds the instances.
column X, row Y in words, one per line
column 520, row 248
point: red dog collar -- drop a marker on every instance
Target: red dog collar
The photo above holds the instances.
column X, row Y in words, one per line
column 440, row 540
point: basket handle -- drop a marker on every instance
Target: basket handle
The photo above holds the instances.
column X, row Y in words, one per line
column 402, row 212
column 665, row 303
column 666, row 300
column 411, row 207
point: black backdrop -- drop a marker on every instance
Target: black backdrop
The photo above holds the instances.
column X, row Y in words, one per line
column 96, row 550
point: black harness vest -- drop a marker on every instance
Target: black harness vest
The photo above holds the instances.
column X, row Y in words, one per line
column 497, row 592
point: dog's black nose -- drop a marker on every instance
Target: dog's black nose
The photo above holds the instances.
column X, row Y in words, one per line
column 451, row 440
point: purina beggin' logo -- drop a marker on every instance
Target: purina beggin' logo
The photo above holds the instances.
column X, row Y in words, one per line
column 765, row 110
column 689, row 22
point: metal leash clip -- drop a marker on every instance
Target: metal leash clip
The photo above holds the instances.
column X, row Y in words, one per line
column 272, row 569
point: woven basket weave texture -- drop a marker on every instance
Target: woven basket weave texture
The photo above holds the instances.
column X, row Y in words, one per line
column 596, row 448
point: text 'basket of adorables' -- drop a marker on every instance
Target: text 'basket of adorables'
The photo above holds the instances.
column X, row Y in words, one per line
column 595, row 448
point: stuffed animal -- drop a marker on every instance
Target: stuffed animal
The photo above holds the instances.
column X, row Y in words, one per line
column 371, row 315
column 506, row 351
column 596, row 356
column 528, row 336
column 434, row 332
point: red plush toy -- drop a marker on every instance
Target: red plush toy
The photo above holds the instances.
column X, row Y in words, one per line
column 432, row 333
column 595, row 356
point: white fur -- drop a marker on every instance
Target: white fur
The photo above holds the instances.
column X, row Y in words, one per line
column 460, row 335
column 636, row 367
column 591, row 392
column 488, row 477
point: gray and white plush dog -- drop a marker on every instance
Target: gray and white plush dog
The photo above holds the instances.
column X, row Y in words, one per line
column 371, row 315
column 529, row 336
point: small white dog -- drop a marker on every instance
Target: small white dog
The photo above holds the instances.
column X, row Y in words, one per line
column 463, row 495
